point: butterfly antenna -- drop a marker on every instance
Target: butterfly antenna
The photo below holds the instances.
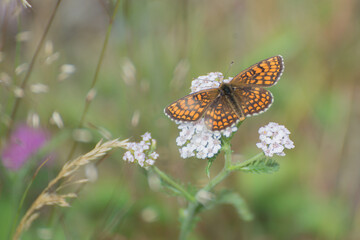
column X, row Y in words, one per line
column 230, row 65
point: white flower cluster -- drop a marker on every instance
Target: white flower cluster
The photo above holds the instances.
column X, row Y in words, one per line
column 140, row 152
column 195, row 139
column 212, row 80
column 274, row 138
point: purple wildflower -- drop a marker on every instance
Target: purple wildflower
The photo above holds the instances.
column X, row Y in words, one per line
column 24, row 142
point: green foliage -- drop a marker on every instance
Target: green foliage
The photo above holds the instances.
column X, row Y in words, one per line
column 208, row 166
column 170, row 189
column 234, row 199
column 263, row 165
column 183, row 214
column 176, row 188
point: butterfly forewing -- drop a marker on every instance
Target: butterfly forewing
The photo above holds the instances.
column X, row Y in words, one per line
column 220, row 115
column 262, row 74
column 191, row 107
column 253, row 100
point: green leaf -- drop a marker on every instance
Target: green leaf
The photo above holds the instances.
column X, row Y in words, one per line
column 171, row 189
column 263, row 165
column 171, row 184
column 234, row 199
column 227, row 197
column 210, row 162
column 183, row 216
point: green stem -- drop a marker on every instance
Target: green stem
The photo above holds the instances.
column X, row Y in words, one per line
column 174, row 184
column 193, row 208
column 227, row 150
column 24, row 196
column 239, row 166
column 187, row 224
column 225, row 171
column 216, row 180
column 97, row 71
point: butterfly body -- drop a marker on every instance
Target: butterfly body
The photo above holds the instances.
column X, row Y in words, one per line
column 231, row 102
column 227, row 92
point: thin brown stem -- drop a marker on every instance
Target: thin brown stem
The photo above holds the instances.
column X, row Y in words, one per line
column 95, row 78
column 29, row 71
column 4, row 27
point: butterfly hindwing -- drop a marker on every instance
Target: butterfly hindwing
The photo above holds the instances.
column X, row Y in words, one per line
column 253, row 100
column 220, row 115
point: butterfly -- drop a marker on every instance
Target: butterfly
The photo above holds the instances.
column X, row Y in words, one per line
column 231, row 102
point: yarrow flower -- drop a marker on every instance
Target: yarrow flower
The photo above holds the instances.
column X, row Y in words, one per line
column 141, row 152
column 274, row 138
column 212, row 80
column 24, row 142
column 195, row 139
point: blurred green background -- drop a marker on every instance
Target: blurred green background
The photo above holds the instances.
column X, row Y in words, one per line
column 156, row 48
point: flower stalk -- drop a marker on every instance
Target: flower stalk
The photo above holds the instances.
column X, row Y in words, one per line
column 95, row 78
column 174, row 184
column 188, row 222
column 239, row 166
column 194, row 208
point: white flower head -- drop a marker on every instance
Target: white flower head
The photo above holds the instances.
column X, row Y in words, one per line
column 274, row 138
column 146, row 136
column 140, row 152
column 212, row 80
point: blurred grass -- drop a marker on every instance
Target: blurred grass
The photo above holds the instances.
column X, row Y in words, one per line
column 315, row 195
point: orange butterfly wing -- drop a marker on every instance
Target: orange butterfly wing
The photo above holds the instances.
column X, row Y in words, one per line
column 192, row 106
column 220, row 115
column 253, row 100
column 262, row 74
